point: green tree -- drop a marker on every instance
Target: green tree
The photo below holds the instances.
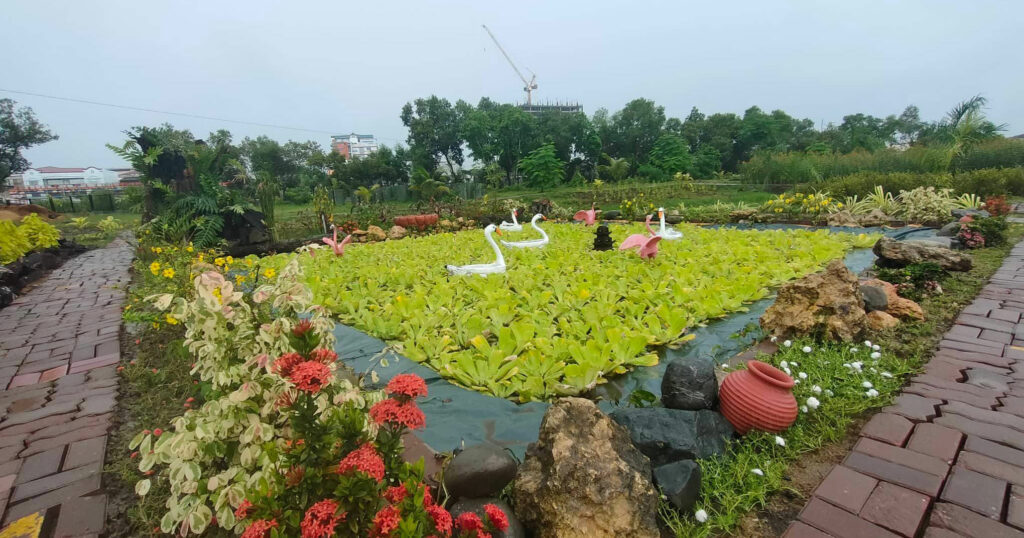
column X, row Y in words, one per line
column 616, row 170
column 435, row 131
column 427, row 186
column 634, row 130
column 500, row 133
column 706, row 162
column 542, row 168
column 19, row 130
column 670, row 154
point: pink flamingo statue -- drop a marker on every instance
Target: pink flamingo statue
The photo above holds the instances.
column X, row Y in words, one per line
column 338, row 248
column 648, row 245
column 589, row 216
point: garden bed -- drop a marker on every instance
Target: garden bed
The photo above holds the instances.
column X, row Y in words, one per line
column 19, row 274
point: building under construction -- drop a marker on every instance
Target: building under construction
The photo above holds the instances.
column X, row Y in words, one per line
column 538, row 109
column 530, row 85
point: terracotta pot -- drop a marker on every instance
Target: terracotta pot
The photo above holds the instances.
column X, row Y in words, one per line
column 403, row 221
column 759, row 397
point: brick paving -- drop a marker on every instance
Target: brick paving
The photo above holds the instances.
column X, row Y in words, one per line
column 59, row 351
column 946, row 460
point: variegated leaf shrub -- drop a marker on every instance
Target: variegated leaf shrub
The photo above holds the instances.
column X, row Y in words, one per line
column 563, row 317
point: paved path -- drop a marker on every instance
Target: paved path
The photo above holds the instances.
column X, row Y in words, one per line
column 58, row 387
column 947, row 458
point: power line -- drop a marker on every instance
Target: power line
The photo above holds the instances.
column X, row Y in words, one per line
column 184, row 114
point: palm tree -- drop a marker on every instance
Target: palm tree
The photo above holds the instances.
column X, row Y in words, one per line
column 427, row 186
column 364, row 194
column 968, row 126
column 616, row 169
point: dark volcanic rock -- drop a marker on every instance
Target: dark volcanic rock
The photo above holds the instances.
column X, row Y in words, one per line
column 875, row 298
column 479, row 471
column 893, row 253
column 515, row 528
column 949, row 230
column 977, row 213
column 680, row 482
column 668, row 435
column 690, row 384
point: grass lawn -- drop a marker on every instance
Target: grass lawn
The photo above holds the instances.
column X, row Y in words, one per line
column 88, row 232
column 563, row 317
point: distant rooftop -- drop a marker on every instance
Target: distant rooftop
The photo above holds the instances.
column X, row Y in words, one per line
column 59, row 170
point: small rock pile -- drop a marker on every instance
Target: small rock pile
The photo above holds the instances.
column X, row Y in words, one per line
column 475, row 478
column 827, row 303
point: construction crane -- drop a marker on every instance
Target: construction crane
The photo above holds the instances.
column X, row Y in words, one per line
column 531, row 84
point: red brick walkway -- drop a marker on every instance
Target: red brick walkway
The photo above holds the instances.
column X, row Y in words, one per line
column 58, row 387
column 947, row 458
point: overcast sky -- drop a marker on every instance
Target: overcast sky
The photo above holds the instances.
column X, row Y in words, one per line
column 343, row 66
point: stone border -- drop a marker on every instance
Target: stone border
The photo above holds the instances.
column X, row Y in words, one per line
column 59, row 351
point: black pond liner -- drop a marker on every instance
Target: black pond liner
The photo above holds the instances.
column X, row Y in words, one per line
column 457, row 415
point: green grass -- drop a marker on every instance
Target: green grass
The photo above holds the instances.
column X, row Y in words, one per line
column 91, row 235
column 730, row 490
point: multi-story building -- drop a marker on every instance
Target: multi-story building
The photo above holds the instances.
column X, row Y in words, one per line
column 354, row 146
column 51, row 176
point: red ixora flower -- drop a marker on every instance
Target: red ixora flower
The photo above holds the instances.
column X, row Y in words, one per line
column 310, row 376
column 283, row 365
column 469, row 522
column 242, row 511
column 364, row 459
column 408, row 385
column 320, row 519
column 442, row 519
column 496, row 517
column 392, row 411
column 259, row 528
column 302, row 327
column 395, row 494
column 324, row 356
column 385, row 521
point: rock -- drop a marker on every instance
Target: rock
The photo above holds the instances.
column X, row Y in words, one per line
column 673, row 219
column 960, row 213
column 668, row 435
column 879, row 320
column 479, row 471
column 905, row 309
column 842, row 218
column 612, row 214
column 892, row 253
column 826, row 303
column 890, row 290
column 680, row 482
column 690, row 384
column 41, row 261
column 946, row 242
column 375, row 233
column 742, row 214
column 949, row 230
column 876, row 217
column 875, row 298
column 397, row 232
column 515, row 528
column 6, row 296
column 584, row 478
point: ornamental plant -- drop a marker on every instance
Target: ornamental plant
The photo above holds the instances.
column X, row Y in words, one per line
column 13, row 244
column 997, row 206
column 39, row 234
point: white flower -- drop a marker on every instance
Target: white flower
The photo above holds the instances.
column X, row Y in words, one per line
column 816, row 389
column 847, row 365
column 856, row 365
column 787, row 371
column 803, row 408
column 867, row 343
column 829, row 393
column 803, row 375
column 758, row 472
column 876, row 355
column 807, row 349
column 867, row 385
column 854, row 349
column 794, row 363
column 725, row 366
column 773, row 339
column 871, row 393
column 876, row 347
column 780, row 441
column 787, row 343
column 813, row 402
column 701, row 515
column 784, row 364
column 886, row 374
column 796, row 381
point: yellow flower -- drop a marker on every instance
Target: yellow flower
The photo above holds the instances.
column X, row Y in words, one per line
column 155, row 324
column 248, row 261
column 584, row 294
column 218, row 262
column 171, row 320
column 154, row 268
column 229, row 260
column 239, row 279
column 216, row 293
column 778, row 210
column 169, row 272
column 200, row 257
column 189, row 248
column 269, row 273
column 840, row 205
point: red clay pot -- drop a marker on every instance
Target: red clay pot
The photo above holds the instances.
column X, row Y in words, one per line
column 759, row 397
column 416, row 221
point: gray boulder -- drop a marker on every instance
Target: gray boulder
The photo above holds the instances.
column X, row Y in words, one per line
column 842, row 218
column 668, row 435
column 611, row 214
column 941, row 241
column 976, row 213
column 875, row 298
column 680, row 482
column 893, row 253
column 949, row 230
column 690, row 384
column 584, row 478
column 515, row 528
column 479, row 471
column 876, row 217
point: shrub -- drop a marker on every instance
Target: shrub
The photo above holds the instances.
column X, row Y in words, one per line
column 652, row 173
column 108, row 225
column 864, row 183
column 995, row 153
column 799, row 167
column 997, row 206
column 984, row 232
column 916, row 280
column 13, row 244
column 39, row 234
column 926, row 205
column 990, row 182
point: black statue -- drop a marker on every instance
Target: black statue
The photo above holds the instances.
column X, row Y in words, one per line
column 603, row 238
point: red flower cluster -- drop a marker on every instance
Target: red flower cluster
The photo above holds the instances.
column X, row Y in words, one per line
column 259, row 528
column 242, row 511
column 310, row 376
column 393, row 412
column 442, row 519
column 395, row 494
column 324, row 356
column 496, row 517
column 283, row 365
column 301, row 328
column 320, row 519
column 364, row 459
column 408, row 385
column 385, row 521
column 469, row 522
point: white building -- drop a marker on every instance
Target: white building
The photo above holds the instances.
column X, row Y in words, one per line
column 354, row 146
column 51, row 176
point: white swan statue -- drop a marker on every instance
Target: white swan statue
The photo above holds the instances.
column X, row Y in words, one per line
column 483, row 269
column 670, row 234
column 513, row 226
column 532, row 243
